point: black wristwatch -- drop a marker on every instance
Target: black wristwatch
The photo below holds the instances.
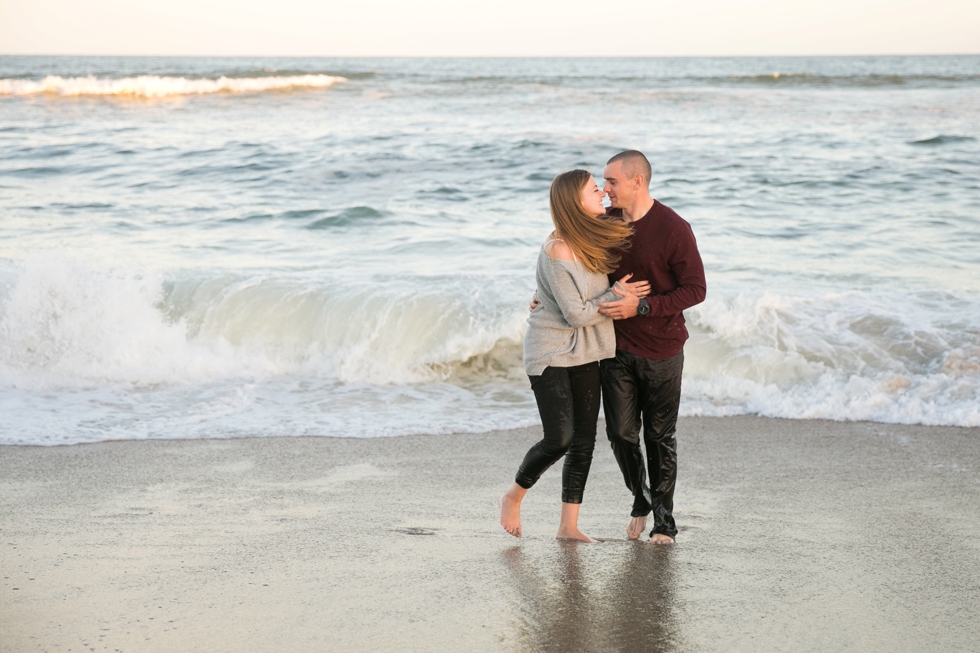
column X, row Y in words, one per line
column 643, row 308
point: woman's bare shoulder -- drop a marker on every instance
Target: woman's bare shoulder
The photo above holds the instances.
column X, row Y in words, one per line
column 558, row 249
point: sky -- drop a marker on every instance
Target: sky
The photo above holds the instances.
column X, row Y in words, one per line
column 488, row 28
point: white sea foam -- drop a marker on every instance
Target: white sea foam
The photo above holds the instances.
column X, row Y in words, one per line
column 154, row 86
column 839, row 356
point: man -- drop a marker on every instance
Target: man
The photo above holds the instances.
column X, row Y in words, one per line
column 643, row 381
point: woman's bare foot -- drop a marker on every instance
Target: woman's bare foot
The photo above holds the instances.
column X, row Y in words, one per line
column 568, row 527
column 510, row 509
column 660, row 538
column 573, row 534
column 635, row 528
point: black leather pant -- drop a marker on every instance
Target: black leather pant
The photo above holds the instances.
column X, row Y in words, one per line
column 568, row 402
column 634, row 387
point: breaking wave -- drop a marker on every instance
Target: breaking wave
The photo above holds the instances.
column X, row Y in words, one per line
column 124, row 354
column 155, row 86
column 93, row 354
column 848, row 356
column 63, row 324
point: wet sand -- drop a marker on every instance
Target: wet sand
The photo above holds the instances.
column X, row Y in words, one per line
column 795, row 536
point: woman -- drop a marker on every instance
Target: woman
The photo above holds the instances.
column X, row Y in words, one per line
column 565, row 340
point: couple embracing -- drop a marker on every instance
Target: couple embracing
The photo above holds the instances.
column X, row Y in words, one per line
column 608, row 319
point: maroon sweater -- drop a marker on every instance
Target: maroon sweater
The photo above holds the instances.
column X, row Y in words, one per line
column 662, row 251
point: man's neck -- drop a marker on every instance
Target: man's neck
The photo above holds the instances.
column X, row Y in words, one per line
column 639, row 208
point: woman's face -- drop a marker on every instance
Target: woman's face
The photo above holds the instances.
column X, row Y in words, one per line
column 592, row 199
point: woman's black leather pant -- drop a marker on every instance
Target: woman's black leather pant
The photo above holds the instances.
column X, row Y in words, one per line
column 568, row 401
column 634, row 389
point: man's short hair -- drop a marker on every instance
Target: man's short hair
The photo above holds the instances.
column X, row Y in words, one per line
column 634, row 163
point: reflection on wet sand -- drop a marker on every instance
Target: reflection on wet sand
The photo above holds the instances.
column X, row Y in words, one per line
column 614, row 596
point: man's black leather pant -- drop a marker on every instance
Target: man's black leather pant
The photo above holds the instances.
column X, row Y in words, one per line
column 635, row 388
column 568, row 401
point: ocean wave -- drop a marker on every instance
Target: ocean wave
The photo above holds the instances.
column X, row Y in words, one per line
column 154, row 86
column 352, row 216
column 870, row 79
column 89, row 354
column 673, row 80
column 841, row 356
column 943, row 139
column 63, row 324
column 123, row 354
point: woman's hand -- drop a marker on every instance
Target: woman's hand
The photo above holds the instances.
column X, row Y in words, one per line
column 637, row 288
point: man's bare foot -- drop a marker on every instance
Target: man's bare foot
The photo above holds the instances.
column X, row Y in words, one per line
column 636, row 527
column 572, row 534
column 660, row 538
column 510, row 514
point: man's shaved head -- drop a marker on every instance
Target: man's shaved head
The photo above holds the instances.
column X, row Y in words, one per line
column 633, row 163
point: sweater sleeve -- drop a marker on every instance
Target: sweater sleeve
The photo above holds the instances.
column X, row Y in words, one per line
column 685, row 263
column 568, row 285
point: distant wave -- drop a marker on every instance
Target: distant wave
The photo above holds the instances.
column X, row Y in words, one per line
column 775, row 78
column 943, row 139
column 155, row 86
column 861, row 81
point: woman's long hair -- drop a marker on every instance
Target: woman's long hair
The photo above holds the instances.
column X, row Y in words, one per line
column 594, row 241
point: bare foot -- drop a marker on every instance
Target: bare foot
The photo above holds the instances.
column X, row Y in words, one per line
column 568, row 526
column 510, row 514
column 573, row 534
column 660, row 538
column 636, row 527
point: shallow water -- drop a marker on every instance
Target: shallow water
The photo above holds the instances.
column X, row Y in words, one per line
column 209, row 247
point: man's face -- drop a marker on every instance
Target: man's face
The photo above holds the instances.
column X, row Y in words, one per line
column 618, row 187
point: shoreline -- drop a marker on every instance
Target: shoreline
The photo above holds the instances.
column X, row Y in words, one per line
column 794, row 535
column 599, row 437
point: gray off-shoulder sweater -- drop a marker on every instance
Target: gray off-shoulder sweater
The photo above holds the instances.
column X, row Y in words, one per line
column 566, row 329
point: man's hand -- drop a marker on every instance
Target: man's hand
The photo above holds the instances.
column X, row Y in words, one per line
column 638, row 288
column 534, row 302
column 620, row 309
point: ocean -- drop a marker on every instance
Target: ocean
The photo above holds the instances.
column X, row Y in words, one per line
column 225, row 247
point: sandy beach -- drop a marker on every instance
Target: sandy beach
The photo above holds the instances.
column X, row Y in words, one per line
column 795, row 536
